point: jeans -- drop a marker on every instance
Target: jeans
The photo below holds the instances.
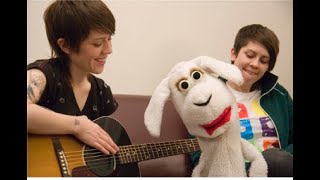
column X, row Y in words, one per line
column 280, row 162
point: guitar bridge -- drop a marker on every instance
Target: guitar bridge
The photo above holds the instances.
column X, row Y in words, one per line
column 61, row 157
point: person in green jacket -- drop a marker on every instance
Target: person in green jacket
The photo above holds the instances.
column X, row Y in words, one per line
column 265, row 107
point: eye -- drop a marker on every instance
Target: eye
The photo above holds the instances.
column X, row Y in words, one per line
column 196, row 75
column 184, row 85
column 97, row 44
column 250, row 56
column 264, row 61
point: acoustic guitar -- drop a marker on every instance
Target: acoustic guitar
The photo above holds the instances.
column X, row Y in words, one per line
column 64, row 155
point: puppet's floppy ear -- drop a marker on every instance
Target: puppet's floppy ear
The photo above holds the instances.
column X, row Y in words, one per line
column 223, row 69
column 154, row 111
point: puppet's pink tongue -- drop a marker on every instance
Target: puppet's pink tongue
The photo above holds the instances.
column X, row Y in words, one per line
column 221, row 120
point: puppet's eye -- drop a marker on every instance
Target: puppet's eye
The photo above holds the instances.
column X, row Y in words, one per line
column 184, row 85
column 196, row 75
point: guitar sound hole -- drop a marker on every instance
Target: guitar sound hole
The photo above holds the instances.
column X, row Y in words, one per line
column 100, row 164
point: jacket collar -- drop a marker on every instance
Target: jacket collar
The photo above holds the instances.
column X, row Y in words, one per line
column 268, row 81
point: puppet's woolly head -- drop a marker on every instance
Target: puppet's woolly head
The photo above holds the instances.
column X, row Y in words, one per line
column 202, row 100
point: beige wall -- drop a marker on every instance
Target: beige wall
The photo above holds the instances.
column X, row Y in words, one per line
column 153, row 35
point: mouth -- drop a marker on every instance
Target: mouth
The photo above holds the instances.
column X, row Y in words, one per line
column 251, row 72
column 101, row 61
column 220, row 121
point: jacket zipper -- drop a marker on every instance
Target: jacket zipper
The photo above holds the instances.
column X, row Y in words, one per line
column 268, row 114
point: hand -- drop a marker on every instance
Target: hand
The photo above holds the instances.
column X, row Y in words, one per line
column 93, row 135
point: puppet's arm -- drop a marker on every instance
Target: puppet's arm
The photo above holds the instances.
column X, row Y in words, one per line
column 259, row 167
column 198, row 170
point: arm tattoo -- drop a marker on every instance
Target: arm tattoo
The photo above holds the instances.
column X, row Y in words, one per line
column 76, row 122
column 35, row 82
column 30, row 93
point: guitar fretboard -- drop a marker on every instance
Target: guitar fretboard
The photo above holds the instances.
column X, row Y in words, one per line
column 142, row 152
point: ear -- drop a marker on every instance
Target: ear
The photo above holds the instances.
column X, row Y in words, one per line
column 63, row 46
column 233, row 55
column 154, row 111
column 223, row 69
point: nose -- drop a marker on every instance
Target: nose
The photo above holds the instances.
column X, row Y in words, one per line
column 254, row 62
column 107, row 48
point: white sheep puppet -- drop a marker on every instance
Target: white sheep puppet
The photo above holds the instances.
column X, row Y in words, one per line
column 209, row 111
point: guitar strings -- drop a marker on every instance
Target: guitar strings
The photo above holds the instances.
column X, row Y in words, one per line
column 76, row 157
column 124, row 152
column 101, row 165
column 141, row 146
column 94, row 166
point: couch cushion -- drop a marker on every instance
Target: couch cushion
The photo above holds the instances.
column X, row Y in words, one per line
column 131, row 115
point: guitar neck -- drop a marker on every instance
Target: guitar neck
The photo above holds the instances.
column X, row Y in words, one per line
column 142, row 152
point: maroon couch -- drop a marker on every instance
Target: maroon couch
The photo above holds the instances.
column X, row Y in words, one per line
column 131, row 115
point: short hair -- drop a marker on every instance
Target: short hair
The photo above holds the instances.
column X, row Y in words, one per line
column 73, row 20
column 262, row 35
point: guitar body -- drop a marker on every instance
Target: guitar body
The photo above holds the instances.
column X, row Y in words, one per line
column 77, row 159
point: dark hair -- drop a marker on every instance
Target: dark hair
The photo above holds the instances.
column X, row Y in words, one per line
column 262, row 35
column 73, row 20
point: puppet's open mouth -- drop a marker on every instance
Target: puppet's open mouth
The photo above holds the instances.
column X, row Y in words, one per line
column 221, row 120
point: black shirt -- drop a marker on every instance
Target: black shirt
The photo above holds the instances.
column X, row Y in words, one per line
column 59, row 97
